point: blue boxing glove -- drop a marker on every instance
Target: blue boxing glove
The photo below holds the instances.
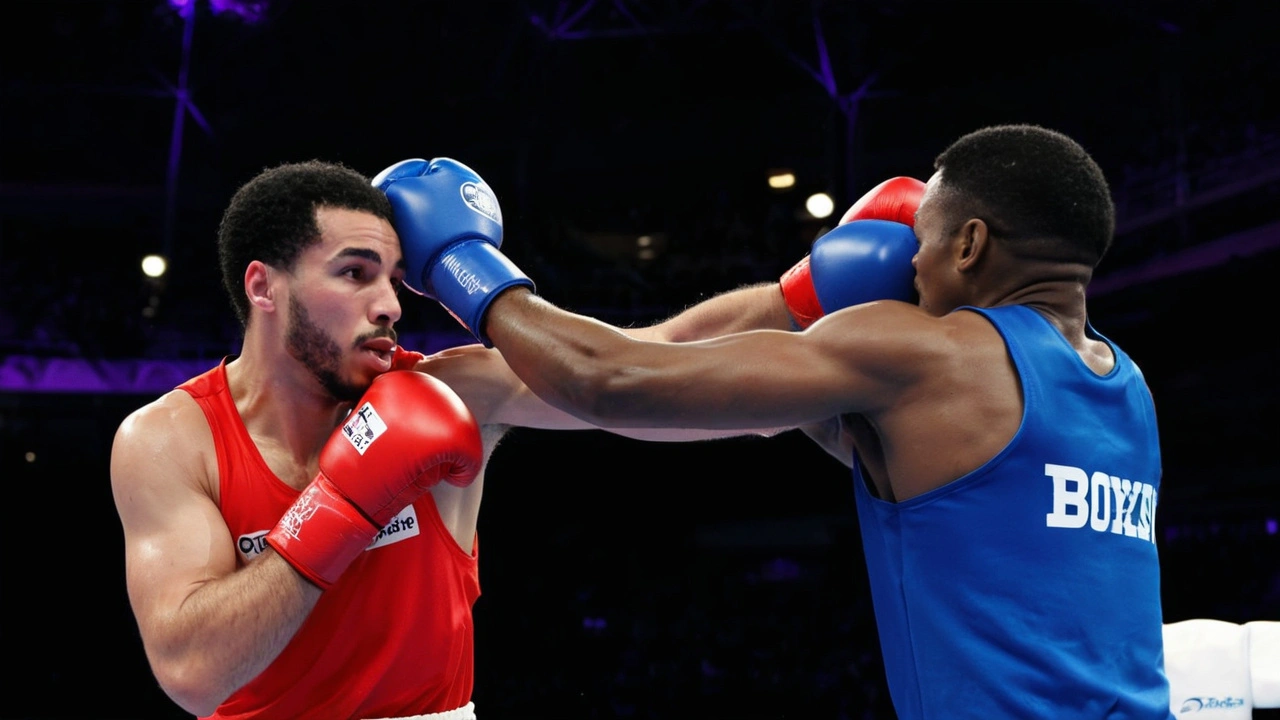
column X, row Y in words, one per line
column 857, row 262
column 895, row 199
column 450, row 228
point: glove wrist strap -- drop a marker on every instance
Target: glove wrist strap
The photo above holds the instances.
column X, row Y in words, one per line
column 800, row 295
column 321, row 533
column 468, row 276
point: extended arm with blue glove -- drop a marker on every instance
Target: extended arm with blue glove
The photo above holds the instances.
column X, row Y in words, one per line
column 450, row 228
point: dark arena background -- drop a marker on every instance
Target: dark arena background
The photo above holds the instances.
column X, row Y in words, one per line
column 621, row 578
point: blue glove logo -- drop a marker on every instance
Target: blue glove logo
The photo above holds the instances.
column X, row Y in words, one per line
column 480, row 198
column 467, row 280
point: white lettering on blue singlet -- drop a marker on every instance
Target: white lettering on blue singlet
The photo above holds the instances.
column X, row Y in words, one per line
column 1106, row 503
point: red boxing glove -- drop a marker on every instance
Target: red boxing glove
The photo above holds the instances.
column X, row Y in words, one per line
column 799, row 294
column 407, row 433
column 894, row 199
column 406, row 359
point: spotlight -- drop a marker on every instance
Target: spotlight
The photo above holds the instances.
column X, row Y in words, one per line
column 820, row 205
column 154, row 266
column 781, row 179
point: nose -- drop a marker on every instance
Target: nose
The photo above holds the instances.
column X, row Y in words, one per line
column 386, row 309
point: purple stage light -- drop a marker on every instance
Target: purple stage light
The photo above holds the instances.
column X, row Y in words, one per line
column 250, row 12
column 246, row 10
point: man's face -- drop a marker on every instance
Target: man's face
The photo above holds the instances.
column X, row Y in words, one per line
column 343, row 303
column 936, row 278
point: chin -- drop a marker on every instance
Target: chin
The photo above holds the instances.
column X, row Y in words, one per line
column 351, row 385
column 363, row 378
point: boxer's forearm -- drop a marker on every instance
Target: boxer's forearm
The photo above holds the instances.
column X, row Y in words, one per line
column 228, row 631
column 755, row 307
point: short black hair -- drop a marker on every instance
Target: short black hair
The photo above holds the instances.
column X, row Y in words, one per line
column 272, row 217
column 1033, row 186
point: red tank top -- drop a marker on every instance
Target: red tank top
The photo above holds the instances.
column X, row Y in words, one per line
column 392, row 637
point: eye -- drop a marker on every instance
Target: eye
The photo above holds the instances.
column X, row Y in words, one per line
column 355, row 272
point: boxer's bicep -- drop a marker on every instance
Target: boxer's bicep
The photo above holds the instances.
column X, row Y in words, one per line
column 175, row 538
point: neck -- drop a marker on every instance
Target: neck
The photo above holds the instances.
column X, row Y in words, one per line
column 281, row 401
column 1055, row 289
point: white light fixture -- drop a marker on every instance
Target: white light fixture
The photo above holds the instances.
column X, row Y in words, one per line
column 153, row 266
column 820, row 205
column 781, row 179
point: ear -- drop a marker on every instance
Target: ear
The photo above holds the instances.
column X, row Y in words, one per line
column 259, row 285
column 973, row 245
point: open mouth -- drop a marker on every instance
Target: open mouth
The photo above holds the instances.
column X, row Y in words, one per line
column 383, row 348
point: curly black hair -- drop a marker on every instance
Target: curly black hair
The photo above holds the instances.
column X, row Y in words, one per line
column 1034, row 187
column 272, row 217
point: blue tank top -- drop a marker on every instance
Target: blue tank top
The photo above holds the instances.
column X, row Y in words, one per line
column 1030, row 587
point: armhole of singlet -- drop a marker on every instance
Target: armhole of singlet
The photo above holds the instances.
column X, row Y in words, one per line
column 219, row 452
